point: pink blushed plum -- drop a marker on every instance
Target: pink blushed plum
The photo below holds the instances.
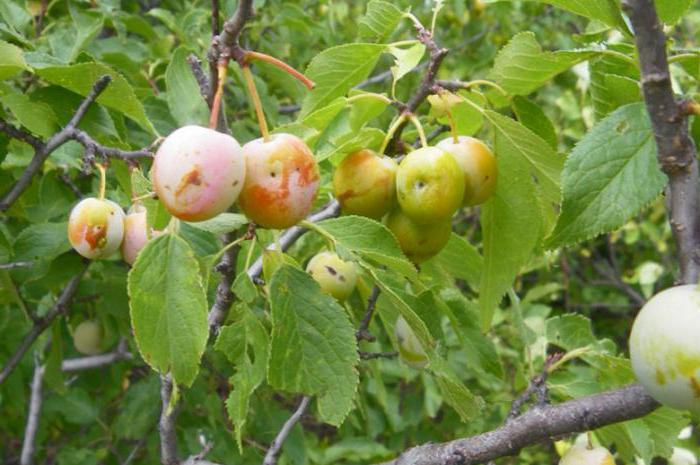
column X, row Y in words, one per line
column 96, row 227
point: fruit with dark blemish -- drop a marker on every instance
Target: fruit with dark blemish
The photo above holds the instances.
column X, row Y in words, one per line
column 198, row 173
column 335, row 276
column 665, row 347
column 281, row 182
column 411, row 351
column 96, row 227
column 429, row 185
column 365, row 184
column 418, row 241
column 87, row 337
column 583, row 454
column 136, row 233
column 478, row 164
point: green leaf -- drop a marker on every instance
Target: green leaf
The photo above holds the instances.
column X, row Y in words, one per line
column 11, row 60
column 222, row 224
column 454, row 391
column 81, row 77
column 521, row 66
column 42, row 242
column 169, row 307
column 184, row 98
column 370, row 240
column 405, row 59
column 569, row 331
column 314, row 350
column 458, row 260
column 38, row 117
column 611, row 174
column 671, row 11
column 665, row 424
column 336, row 70
column 606, row 11
column 532, row 117
column 137, row 412
column 76, row 406
column 380, row 20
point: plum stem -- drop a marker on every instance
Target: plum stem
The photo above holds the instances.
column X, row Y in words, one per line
column 419, row 128
column 255, row 99
column 216, row 103
column 453, row 127
column 103, row 180
column 391, row 131
column 250, row 56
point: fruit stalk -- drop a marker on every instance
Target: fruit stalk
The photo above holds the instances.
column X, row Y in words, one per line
column 255, row 100
column 216, row 103
column 250, row 56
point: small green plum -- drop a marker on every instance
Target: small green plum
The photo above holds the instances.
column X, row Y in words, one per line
column 96, row 227
column 582, row 454
column 419, row 242
column 665, row 347
column 429, row 185
column 365, row 184
column 411, row 351
column 87, row 337
column 478, row 164
column 335, row 276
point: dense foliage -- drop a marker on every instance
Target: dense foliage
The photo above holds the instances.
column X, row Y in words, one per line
column 545, row 276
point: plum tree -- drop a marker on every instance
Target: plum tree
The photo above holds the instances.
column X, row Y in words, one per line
column 478, row 164
column 665, row 347
column 411, row 351
column 429, row 185
column 418, row 241
column 87, row 337
column 281, row 181
column 198, row 173
column 335, row 276
column 96, row 227
column 136, row 233
column 583, row 454
column 365, row 184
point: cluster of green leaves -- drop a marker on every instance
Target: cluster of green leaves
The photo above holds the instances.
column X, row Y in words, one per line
column 576, row 159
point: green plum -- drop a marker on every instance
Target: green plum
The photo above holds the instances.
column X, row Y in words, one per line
column 87, row 337
column 411, row 351
column 418, row 241
column 335, row 276
column 478, row 164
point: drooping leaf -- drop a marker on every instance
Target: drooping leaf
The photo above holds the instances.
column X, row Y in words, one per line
column 184, row 97
column 606, row 11
column 532, row 117
column 671, row 11
column 11, row 60
column 380, row 20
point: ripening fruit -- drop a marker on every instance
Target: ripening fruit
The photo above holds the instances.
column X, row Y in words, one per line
column 335, row 276
column 411, row 351
column 96, row 227
column 365, row 184
column 429, row 185
column 135, row 233
column 198, row 172
column 87, row 337
column 581, row 454
column 478, row 164
column 665, row 347
column 281, row 181
column 418, row 241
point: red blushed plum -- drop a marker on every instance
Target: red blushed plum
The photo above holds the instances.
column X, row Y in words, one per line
column 135, row 233
column 281, row 181
column 198, row 173
column 365, row 184
column 478, row 164
column 419, row 242
column 429, row 185
column 96, row 227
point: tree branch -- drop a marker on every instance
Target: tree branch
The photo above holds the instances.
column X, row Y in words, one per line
column 276, row 446
column 40, row 324
column 676, row 151
column 35, row 401
column 538, row 424
column 362, row 332
column 166, row 425
column 224, row 296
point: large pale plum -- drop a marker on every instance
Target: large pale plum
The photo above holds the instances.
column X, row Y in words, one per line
column 478, row 164
column 581, row 454
column 335, row 276
column 418, row 241
column 365, row 184
column 281, row 181
column 429, row 185
column 198, row 173
column 96, row 227
column 411, row 352
column 136, row 233
column 665, row 347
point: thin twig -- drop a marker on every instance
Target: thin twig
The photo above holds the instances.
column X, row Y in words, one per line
column 536, row 387
column 12, row 266
column 273, row 452
column 198, row 72
column 224, row 296
column 376, row 355
column 33, row 414
column 363, row 333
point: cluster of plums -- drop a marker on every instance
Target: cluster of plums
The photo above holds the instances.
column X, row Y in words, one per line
column 417, row 197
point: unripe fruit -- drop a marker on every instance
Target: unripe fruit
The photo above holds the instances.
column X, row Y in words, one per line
column 665, row 347
column 418, row 241
column 411, row 351
column 87, row 337
column 135, row 233
column 581, row 454
column 198, row 173
column 478, row 164
column 365, row 184
column 335, row 276
column 281, row 181
column 429, row 185
column 96, row 227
